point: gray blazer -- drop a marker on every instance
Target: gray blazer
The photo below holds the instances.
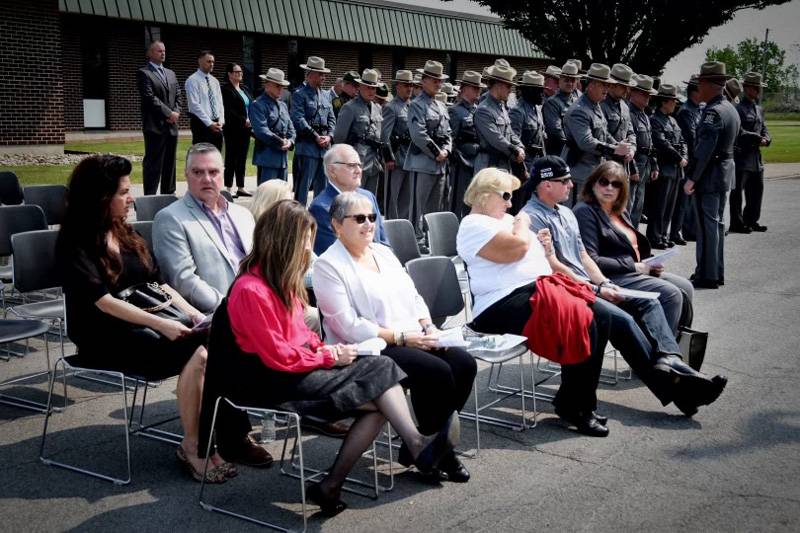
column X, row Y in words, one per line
column 191, row 255
column 158, row 100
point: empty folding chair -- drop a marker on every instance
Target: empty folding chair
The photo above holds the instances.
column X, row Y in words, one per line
column 147, row 206
column 442, row 231
column 34, row 269
column 51, row 198
column 10, row 189
column 145, row 229
column 436, row 281
column 16, row 219
column 14, row 331
column 402, row 238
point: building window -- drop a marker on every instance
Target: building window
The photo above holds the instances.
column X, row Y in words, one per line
column 398, row 60
column 294, row 59
column 151, row 33
column 452, row 65
column 249, row 62
column 94, row 66
column 364, row 58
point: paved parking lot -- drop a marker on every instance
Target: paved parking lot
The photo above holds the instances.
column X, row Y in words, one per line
column 733, row 467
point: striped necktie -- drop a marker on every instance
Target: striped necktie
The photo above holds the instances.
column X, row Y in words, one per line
column 211, row 101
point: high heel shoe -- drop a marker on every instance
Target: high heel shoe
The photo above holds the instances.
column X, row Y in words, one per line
column 438, row 445
column 327, row 506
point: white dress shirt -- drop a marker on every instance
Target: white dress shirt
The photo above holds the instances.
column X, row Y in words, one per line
column 198, row 100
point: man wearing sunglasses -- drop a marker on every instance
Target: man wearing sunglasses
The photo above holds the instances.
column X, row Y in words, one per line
column 343, row 168
column 638, row 328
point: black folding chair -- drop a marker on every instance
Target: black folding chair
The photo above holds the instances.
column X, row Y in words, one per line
column 10, row 189
column 51, row 198
column 147, row 206
column 402, row 238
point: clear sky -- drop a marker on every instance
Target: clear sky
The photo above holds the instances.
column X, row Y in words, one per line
column 783, row 22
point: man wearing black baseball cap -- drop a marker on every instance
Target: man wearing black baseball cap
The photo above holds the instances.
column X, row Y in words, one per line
column 646, row 343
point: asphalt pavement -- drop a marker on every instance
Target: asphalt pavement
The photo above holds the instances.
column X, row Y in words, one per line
column 733, row 467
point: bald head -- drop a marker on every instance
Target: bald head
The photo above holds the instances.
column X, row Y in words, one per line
column 157, row 52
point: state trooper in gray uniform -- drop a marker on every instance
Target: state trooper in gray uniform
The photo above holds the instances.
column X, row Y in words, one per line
column 713, row 174
column 499, row 146
column 682, row 228
column 645, row 162
column 616, row 110
column 465, row 140
column 588, row 141
column 359, row 125
column 747, row 155
column 395, row 135
column 431, row 144
column 555, row 107
column 526, row 121
column 672, row 154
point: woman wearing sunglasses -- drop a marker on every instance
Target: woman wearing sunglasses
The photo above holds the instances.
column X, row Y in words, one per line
column 364, row 292
column 617, row 248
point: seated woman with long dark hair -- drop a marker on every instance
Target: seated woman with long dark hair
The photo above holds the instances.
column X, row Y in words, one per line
column 273, row 359
column 618, row 248
column 100, row 255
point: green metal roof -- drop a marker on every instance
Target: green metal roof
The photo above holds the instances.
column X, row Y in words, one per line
column 378, row 23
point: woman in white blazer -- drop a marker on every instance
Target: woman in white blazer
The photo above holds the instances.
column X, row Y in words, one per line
column 364, row 292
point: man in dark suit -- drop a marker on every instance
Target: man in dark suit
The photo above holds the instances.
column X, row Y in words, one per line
column 342, row 166
column 161, row 103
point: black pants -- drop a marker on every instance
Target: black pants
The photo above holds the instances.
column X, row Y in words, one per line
column 578, row 391
column 203, row 134
column 662, row 194
column 751, row 183
column 440, row 382
column 237, row 144
column 159, row 162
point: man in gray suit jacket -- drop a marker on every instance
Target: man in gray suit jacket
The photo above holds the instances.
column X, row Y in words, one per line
column 161, row 103
column 200, row 240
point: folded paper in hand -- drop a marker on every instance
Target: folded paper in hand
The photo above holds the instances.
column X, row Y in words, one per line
column 660, row 259
column 451, row 338
column 371, row 346
column 204, row 324
column 631, row 293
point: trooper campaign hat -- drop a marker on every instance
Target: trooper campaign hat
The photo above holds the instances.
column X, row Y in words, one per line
column 274, row 75
column 644, row 84
column 552, row 72
column 403, row 76
column 369, row 77
column 500, row 73
column 472, row 78
column 754, row 79
column 315, row 64
column 570, row 70
column 531, row 78
column 433, row 69
column 622, row 74
column 668, row 91
column 600, row 72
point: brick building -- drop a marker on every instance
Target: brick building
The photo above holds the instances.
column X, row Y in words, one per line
column 71, row 64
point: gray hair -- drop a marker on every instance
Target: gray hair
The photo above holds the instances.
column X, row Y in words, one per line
column 200, row 148
column 344, row 202
column 333, row 154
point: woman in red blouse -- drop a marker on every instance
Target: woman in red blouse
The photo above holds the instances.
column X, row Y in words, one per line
column 273, row 359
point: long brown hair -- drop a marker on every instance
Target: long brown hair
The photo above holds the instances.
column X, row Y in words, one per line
column 608, row 169
column 88, row 221
column 279, row 250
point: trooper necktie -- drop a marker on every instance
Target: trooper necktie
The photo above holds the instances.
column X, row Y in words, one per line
column 211, row 101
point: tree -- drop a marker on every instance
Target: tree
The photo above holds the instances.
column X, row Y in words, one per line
column 642, row 34
column 752, row 55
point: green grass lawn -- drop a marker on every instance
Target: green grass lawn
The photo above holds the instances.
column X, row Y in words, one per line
column 782, row 116
column 35, row 174
column 785, row 147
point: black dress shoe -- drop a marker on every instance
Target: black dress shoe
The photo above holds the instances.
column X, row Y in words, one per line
column 670, row 244
column 680, row 241
column 758, row 227
column 586, row 424
column 602, row 419
column 740, row 229
column 327, row 506
column 659, row 245
column 241, row 193
column 452, row 469
column 439, row 445
column 705, row 283
column 337, row 429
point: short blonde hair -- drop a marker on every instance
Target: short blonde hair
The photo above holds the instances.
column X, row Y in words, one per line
column 267, row 194
column 487, row 181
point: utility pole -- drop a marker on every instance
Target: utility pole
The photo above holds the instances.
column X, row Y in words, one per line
column 766, row 40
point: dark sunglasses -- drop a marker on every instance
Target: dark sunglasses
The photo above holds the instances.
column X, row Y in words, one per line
column 605, row 182
column 506, row 196
column 360, row 219
column 562, row 181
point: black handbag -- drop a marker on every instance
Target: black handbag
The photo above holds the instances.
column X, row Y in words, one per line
column 693, row 346
column 151, row 298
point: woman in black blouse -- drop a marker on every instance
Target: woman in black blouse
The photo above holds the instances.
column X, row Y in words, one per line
column 236, row 98
column 100, row 255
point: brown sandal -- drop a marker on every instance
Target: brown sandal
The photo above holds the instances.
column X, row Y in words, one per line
column 213, row 475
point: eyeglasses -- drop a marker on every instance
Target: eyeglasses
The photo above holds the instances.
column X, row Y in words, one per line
column 505, row 195
column 605, row 182
column 360, row 219
column 562, row 181
column 351, row 166
column 236, row 72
